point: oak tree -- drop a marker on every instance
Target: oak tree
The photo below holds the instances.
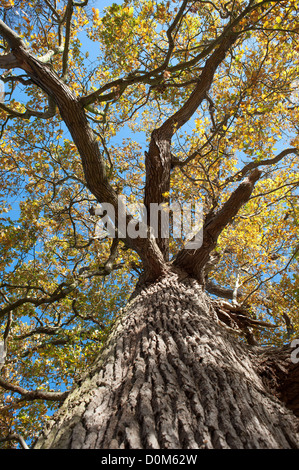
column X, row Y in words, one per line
column 134, row 337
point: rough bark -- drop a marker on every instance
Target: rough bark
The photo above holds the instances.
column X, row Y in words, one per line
column 281, row 375
column 172, row 377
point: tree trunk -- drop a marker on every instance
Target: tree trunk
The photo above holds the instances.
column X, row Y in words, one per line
column 172, row 377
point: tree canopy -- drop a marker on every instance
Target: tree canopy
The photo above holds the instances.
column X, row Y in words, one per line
column 88, row 94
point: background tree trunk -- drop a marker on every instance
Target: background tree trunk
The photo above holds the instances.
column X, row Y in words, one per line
column 171, row 377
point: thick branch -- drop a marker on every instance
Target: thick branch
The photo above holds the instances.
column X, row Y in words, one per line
column 183, row 115
column 194, row 261
column 33, row 394
column 47, row 114
column 158, row 159
column 73, row 114
column 257, row 163
column 69, row 14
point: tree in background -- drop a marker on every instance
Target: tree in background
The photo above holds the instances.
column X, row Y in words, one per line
column 140, row 341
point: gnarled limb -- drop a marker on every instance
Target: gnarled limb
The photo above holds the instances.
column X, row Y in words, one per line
column 68, row 20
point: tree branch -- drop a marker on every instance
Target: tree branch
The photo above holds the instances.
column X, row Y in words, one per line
column 219, row 291
column 257, row 163
column 239, row 319
column 63, row 290
column 158, row 159
column 73, row 114
column 58, row 294
column 177, row 120
column 68, row 19
column 8, row 61
column 33, row 394
column 47, row 114
column 280, row 373
column 169, row 33
column 81, row 4
column 154, row 77
column 3, row 347
column 13, row 39
column 48, row 56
